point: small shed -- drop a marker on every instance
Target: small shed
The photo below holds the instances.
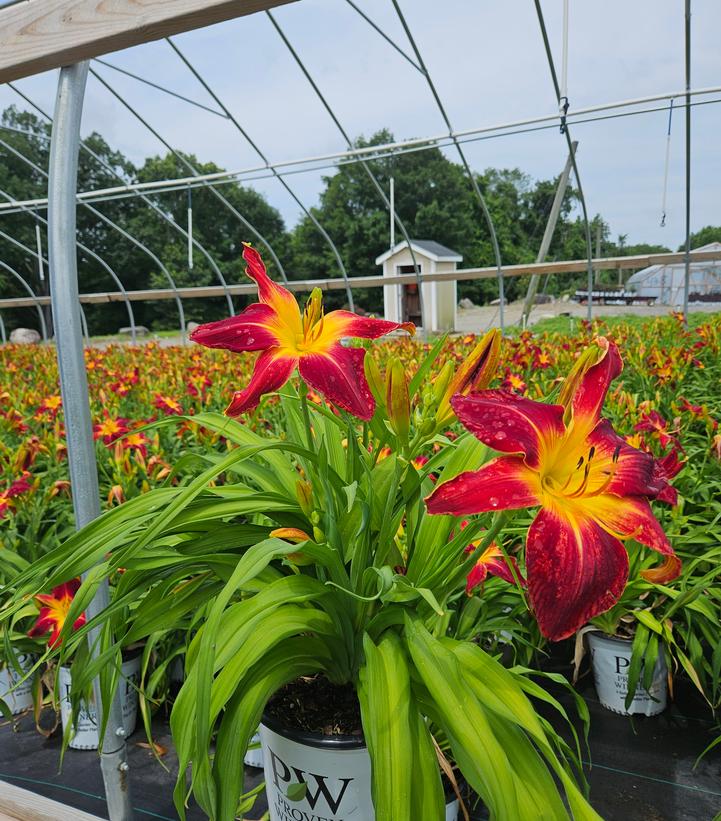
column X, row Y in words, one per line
column 402, row 303
column 665, row 282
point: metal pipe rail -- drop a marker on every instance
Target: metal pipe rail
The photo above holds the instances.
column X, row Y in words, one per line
column 254, row 145
column 378, row 151
column 194, row 171
column 375, row 281
column 116, row 279
column 158, row 211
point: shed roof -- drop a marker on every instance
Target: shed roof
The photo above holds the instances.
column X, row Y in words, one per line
column 425, row 247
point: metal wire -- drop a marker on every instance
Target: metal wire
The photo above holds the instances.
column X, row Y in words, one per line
column 194, row 171
column 379, row 188
column 123, row 233
column 158, row 87
column 33, row 296
column 471, row 176
column 665, row 167
column 228, row 178
column 587, row 226
column 89, row 251
column 158, row 211
column 256, row 148
column 391, row 42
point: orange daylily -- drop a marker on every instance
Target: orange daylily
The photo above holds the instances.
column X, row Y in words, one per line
column 286, row 340
column 593, row 490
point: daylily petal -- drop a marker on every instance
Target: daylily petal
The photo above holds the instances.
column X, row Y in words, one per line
column 494, row 561
column 345, row 323
column 667, row 571
column 339, row 376
column 629, row 517
column 66, row 589
column 269, row 292
column 272, row 370
column 576, row 570
column 505, row 483
column 250, row 330
column 510, row 423
column 621, row 468
column 592, row 387
column 42, row 626
column 476, row 577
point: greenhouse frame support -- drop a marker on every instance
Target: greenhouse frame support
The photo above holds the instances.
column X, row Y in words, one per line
column 548, row 235
column 62, row 252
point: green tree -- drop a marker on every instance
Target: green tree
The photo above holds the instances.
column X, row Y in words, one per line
column 709, row 233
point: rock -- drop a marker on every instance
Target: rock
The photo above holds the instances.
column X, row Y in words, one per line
column 140, row 330
column 465, row 304
column 191, row 326
column 543, row 299
column 566, row 298
column 25, row 336
column 496, row 301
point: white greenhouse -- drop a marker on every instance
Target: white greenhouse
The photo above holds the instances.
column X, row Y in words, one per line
column 665, row 282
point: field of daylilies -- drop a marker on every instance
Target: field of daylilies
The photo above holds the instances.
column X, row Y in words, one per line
column 663, row 403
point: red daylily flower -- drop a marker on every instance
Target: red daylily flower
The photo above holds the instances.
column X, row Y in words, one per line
column 592, row 487
column 490, row 561
column 653, row 422
column 169, row 405
column 54, row 612
column 110, row 429
column 286, row 340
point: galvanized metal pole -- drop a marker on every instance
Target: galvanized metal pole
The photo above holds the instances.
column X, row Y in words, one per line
column 548, row 234
column 392, row 212
column 687, row 259
column 2, row 330
column 62, row 189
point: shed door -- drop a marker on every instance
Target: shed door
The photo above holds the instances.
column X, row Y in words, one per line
column 410, row 298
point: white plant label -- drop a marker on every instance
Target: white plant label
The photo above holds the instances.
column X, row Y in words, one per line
column 86, row 732
column 21, row 698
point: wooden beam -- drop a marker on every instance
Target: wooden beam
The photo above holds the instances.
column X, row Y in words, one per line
column 464, row 274
column 23, row 805
column 37, row 35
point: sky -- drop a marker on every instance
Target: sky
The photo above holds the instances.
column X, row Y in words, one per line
column 488, row 63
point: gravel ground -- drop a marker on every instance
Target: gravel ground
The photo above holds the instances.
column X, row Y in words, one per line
column 481, row 318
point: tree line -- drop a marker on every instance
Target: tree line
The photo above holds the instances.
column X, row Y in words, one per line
column 433, row 197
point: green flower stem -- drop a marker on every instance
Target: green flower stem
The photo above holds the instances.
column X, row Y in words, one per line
column 303, row 393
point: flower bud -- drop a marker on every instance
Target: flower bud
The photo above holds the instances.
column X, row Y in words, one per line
column 304, row 494
column 398, row 401
column 474, row 374
column 374, row 379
